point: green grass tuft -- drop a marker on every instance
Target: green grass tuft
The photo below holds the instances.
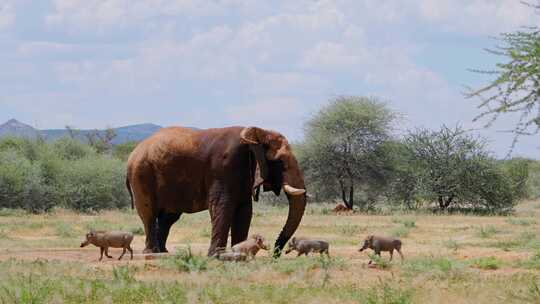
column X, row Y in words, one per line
column 531, row 263
column 487, row 231
column 379, row 261
column 65, row 230
column 386, row 293
column 451, row 244
column 400, row 232
column 486, row 263
column 185, row 261
column 436, row 267
column 520, row 221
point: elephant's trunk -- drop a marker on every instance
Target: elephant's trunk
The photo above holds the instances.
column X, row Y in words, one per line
column 297, row 204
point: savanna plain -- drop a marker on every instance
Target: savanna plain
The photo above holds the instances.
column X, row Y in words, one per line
column 449, row 258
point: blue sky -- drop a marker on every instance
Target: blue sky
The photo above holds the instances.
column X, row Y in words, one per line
column 98, row 63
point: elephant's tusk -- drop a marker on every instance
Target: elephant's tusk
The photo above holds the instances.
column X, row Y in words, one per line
column 293, row 191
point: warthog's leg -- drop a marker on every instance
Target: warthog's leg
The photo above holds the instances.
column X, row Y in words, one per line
column 400, row 254
column 130, row 251
column 107, row 253
column 391, row 254
column 101, row 253
column 123, row 252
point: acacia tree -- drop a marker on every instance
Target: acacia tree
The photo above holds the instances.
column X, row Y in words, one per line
column 343, row 145
column 516, row 87
column 454, row 169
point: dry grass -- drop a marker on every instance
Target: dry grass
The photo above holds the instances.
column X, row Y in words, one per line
column 448, row 259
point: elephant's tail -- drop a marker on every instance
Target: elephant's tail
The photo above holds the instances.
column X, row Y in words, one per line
column 130, row 192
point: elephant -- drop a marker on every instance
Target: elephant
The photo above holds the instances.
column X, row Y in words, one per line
column 182, row 170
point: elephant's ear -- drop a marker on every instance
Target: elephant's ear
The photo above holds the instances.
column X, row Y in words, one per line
column 269, row 173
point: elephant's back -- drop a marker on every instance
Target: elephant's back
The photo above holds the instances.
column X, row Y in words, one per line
column 163, row 144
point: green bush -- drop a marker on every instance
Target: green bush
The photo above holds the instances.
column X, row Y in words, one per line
column 71, row 149
column 533, row 182
column 36, row 176
column 94, row 183
column 22, row 184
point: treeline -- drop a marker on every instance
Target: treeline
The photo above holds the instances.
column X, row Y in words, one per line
column 37, row 176
column 351, row 154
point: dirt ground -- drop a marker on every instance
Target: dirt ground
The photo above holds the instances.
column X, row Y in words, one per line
column 435, row 246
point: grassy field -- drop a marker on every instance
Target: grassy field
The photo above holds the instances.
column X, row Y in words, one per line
column 448, row 259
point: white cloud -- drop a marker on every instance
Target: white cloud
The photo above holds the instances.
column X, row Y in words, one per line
column 7, row 14
column 105, row 14
column 478, row 17
column 334, row 56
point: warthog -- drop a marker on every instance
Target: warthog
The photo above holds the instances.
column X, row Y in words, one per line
column 106, row 239
column 251, row 246
column 305, row 246
column 222, row 255
column 379, row 243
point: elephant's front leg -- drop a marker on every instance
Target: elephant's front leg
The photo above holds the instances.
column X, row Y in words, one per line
column 221, row 215
column 240, row 223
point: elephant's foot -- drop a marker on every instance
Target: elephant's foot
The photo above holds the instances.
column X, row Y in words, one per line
column 150, row 250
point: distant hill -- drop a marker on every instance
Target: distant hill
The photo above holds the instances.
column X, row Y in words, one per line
column 16, row 128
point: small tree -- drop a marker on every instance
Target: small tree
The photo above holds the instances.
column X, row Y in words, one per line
column 343, row 145
column 455, row 170
column 404, row 185
column 101, row 140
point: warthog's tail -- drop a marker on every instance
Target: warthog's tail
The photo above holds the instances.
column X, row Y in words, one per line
column 130, row 192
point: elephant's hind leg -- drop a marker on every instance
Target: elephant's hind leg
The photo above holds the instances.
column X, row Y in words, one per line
column 164, row 223
column 145, row 203
column 240, row 224
column 150, row 229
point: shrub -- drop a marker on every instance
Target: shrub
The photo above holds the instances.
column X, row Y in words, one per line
column 454, row 170
column 122, row 151
column 70, row 149
column 533, row 182
column 94, row 183
column 22, row 184
column 36, row 176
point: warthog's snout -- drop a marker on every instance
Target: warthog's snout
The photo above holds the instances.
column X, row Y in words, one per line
column 84, row 244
